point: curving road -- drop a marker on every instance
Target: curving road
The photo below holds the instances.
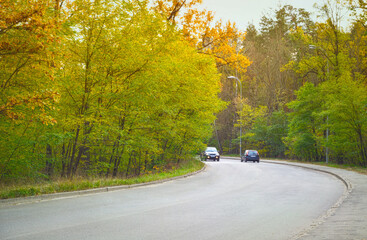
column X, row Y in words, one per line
column 229, row 200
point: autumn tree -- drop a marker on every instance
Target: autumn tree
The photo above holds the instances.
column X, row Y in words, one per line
column 120, row 93
column 221, row 40
column 28, row 43
column 27, row 32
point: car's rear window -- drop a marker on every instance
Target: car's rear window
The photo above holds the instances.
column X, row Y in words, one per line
column 252, row 152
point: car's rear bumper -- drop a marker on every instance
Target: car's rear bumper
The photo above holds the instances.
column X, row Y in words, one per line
column 252, row 159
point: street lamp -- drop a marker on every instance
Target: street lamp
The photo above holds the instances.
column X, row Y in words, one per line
column 233, row 77
column 327, row 117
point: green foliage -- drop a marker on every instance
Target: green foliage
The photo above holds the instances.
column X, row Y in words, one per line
column 347, row 120
column 303, row 136
column 267, row 133
column 272, row 133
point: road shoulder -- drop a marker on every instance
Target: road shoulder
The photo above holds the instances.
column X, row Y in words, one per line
column 347, row 218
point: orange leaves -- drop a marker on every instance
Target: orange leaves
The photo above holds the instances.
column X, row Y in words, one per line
column 25, row 26
column 41, row 102
column 222, row 41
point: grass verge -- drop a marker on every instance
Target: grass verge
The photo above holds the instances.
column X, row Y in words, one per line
column 65, row 185
column 353, row 168
column 348, row 167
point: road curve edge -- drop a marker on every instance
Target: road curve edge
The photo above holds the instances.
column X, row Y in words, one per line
column 54, row 196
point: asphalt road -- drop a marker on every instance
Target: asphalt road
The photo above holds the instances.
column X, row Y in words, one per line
column 229, row 200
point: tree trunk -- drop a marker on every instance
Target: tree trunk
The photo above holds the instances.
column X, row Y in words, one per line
column 65, row 156
column 117, row 162
column 76, row 164
column 71, row 162
column 128, row 166
column 49, row 161
column 362, row 147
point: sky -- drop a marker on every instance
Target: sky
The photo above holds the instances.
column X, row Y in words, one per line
column 243, row 12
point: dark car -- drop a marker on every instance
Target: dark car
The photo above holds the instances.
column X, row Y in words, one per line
column 210, row 153
column 250, row 155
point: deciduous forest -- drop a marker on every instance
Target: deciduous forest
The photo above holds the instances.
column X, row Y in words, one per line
column 117, row 88
column 305, row 93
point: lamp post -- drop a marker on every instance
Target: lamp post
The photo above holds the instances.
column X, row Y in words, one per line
column 327, row 117
column 233, row 77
